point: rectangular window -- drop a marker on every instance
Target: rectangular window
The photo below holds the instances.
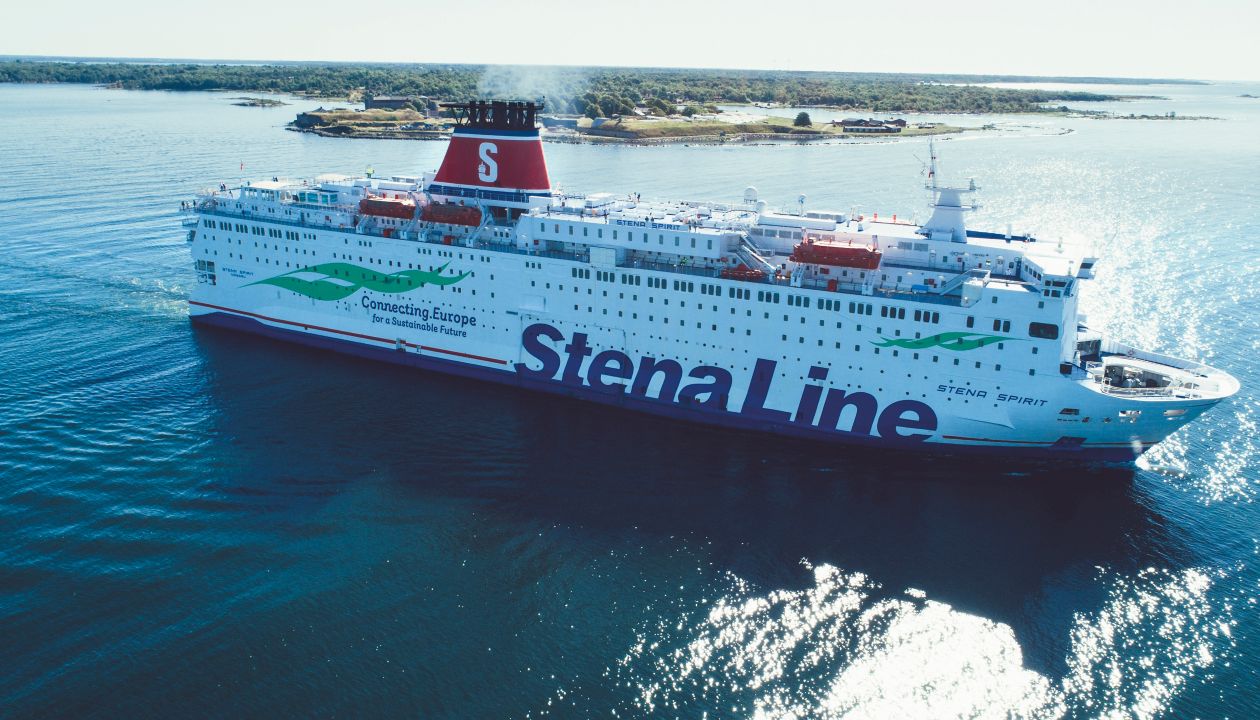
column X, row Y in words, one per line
column 1045, row 331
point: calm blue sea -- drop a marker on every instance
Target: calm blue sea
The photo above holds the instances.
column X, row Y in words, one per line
column 198, row 523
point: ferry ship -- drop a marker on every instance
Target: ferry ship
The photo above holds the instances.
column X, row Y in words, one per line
column 835, row 326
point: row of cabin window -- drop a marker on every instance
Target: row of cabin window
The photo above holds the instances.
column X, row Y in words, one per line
column 269, row 232
column 1045, row 331
column 599, row 233
column 914, row 246
column 767, row 232
column 897, row 313
column 800, row 339
column 680, row 285
column 1038, row 330
column 1000, row 325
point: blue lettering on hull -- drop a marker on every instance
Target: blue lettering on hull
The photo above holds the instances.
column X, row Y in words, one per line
column 709, row 387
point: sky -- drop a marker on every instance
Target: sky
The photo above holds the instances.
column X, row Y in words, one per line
column 1207, row 40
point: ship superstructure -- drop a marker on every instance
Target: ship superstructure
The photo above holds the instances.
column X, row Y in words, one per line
column 821, row 324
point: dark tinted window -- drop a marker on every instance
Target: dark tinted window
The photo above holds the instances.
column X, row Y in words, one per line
column 1043, row 330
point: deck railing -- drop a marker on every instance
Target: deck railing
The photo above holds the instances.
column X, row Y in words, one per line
column 874, row 289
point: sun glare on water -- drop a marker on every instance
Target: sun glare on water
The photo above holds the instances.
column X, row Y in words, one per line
column 843, row 648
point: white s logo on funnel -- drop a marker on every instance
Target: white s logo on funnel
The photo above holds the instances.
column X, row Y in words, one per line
column 488, row 170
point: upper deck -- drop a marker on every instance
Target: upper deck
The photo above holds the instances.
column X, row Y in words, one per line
column 1036, row 281
column 688, row 237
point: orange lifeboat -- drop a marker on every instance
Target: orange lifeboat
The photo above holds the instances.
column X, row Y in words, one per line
column 400, row 208
column 816, row 253
column 743, row 272
column 451, row 214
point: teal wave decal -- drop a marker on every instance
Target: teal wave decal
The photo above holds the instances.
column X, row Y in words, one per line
column 956, row 341
column 336, row 281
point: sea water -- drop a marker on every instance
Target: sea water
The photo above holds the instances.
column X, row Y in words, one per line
column 197, row 522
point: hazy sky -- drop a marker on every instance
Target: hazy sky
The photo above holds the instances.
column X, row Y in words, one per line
column 1211, row 39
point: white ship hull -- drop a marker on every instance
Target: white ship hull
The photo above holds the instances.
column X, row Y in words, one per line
column 477, row 327
column 853, row 330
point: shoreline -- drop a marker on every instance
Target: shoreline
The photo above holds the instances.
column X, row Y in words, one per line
column 590, row 139
column 724, row 128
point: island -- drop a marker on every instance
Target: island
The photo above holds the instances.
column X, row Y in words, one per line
column 401, row 124
column 258, row 102
column 601, row 104
column 638, row 128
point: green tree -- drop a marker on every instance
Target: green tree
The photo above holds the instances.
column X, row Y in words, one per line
column 802, row 119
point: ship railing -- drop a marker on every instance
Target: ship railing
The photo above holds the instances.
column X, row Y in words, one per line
column 680, row 268
column 249, row 215
column 514, row 250
column 336, row 207
column 1167, row 391
column 556, row 254
column 895, row 293
column 978, row 274
column 1115, row 347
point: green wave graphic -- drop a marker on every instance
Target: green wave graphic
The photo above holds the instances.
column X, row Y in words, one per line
column 341, row 280
column 956, row 341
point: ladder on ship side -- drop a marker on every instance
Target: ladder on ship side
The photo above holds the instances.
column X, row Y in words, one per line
column 748, row 255
column 957, row 281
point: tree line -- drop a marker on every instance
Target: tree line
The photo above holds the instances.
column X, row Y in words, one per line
column 579, row 91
